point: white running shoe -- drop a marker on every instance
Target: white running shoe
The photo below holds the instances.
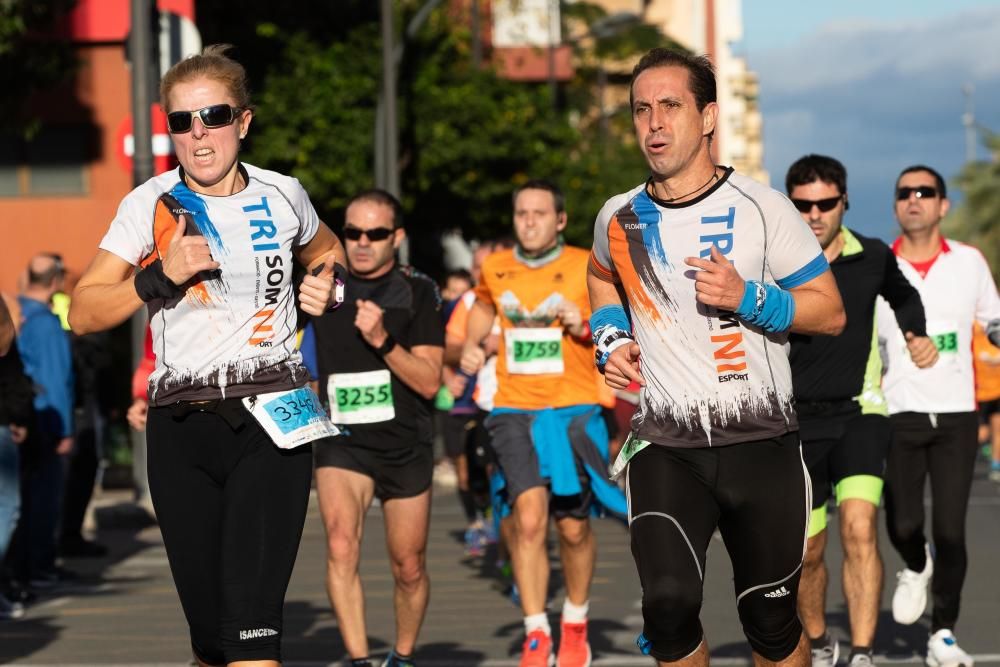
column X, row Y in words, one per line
column 861, row 660
column 910, row 598
column 826, row 656
column 944, row 651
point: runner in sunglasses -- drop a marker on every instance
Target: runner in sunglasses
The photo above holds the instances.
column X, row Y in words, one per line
column 208, row 249
column 843, row 421
column 379, row 360
column 933, row 410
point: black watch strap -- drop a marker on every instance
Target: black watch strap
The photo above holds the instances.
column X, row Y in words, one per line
column 386, row 347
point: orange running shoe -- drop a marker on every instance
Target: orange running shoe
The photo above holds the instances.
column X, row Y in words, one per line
column 574, row 650
column 537, row 650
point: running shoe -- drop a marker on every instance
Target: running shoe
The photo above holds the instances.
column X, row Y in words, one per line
column 910, row 598
column 861, row 660
column 995, row 471
column 475, row 540
column 574, row 649
column 537, row 650
column 826, row 656
column 944, row 651
column 10, row 610
column 393, row 660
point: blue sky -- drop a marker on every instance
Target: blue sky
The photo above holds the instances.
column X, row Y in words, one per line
column 876, row 84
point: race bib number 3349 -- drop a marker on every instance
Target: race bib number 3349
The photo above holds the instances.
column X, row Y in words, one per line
column 291, row 418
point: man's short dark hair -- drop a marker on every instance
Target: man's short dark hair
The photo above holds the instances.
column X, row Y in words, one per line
column 542, row 184
column 45, row 278
column 701, row 73
column 380, row 196
column 922, row 167
column 460, row 274
column 814, row 167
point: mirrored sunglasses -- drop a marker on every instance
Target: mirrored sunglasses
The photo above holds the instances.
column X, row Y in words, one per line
column 217, row 115
column 922, row 192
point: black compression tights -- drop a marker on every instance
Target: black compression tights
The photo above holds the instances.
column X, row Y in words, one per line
column 230, row 507
column 943, row 448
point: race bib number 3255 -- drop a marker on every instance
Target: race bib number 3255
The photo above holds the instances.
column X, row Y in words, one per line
column 361, row 398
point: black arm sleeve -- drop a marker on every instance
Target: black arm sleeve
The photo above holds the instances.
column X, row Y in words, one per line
column 903, row 298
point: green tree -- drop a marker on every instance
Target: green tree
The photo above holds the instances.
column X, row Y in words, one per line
column 32, row 56
column 467, row 136
column 977, row 219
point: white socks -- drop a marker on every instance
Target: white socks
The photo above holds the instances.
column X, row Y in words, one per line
column 573, row 613
column 537, row 622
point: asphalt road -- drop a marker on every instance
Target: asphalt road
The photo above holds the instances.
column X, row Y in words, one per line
column 122, row 610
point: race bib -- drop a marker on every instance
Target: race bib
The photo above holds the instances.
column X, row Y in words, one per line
column 946, row 343
column 534, row 351
column 632, row 446
column 291, row 418
column 944, row 335
column 361, row 398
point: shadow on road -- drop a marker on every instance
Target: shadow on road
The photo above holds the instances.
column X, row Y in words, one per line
column 118, row 528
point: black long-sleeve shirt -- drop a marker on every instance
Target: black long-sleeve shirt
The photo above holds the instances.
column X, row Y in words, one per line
column 833, row 368
column 16, row 391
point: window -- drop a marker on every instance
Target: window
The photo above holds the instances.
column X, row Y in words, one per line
column 52, row 162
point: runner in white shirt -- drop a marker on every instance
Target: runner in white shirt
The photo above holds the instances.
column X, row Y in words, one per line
column 933, row 410
column 228, row 473
column 714, row 440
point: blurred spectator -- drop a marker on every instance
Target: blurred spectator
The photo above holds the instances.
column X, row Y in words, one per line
column 136, row 414
column 16, row 414
column 91, row 360
column 45, row 351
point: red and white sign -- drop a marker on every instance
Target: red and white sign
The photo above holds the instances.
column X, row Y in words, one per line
column 163, row 148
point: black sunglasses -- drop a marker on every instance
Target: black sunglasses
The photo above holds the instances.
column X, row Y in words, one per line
column 922, row 192
column 217, row 115
column 824, row 205
column 376, row 234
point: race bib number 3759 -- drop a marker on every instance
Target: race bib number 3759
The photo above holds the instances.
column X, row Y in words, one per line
column 534, row 351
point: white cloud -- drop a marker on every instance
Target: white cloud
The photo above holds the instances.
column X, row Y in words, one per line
column 879, row 96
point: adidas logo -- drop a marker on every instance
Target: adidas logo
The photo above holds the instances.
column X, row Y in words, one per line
column 779, row 593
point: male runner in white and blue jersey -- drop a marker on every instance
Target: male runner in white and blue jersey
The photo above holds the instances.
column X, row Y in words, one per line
column 716, row 400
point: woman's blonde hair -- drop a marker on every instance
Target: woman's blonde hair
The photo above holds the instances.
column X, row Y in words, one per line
column 212, row 63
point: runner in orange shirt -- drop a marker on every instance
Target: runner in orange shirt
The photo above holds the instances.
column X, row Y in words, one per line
column 986, row 360
column 546, row 428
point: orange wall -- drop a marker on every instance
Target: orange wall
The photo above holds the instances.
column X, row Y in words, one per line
column 73, row 225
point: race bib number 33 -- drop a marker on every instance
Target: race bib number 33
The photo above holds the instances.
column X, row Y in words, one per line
column 534, row 351
column 361, row 398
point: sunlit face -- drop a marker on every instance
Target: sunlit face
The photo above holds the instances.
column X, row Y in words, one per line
column 668, row 126
column 208, row 156
column 368, row 258
column 916, row 214
column 536, row 222
column 826, row 225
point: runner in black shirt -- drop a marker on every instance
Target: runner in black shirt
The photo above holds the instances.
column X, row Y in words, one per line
column 843, row 420
column 379, row 359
